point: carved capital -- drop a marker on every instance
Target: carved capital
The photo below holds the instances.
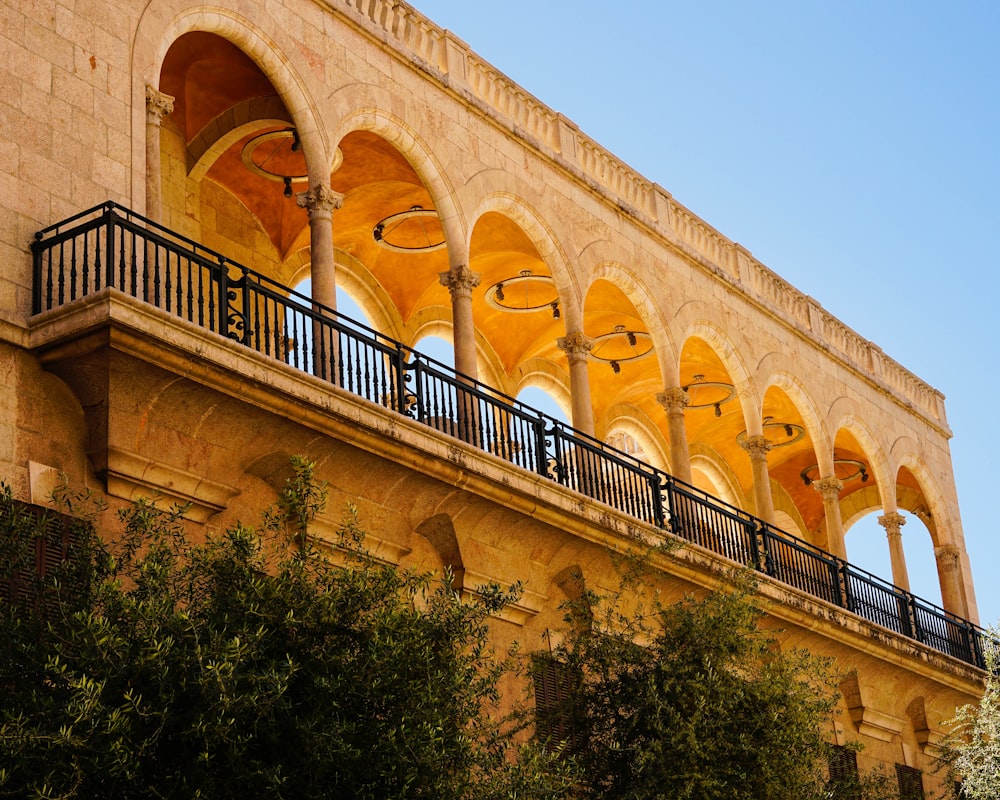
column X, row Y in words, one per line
column 947, row 556
column 674, row 400
column 459, row 280
column 892, row 523
column 829, row 488
column 158, row 105
column 756, row 447
column 575, row 345
column 320, row 200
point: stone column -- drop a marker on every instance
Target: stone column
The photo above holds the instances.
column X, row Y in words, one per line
column 577, row 349
column 893, row 523
column 321, row 201
column 460, row 281
column 829, row 489
column 757, row 448
column 674, row 401
column 949, row 573
column 158, row 105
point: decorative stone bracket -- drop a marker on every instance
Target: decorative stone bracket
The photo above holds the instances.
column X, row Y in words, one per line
column 869, row 721
column 131, row 476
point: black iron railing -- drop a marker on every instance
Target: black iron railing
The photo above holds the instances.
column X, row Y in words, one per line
column 110, row 246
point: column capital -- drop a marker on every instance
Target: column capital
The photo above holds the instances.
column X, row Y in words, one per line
column 575, row 345
column 829, row 488
column 947, row 555
column 893, row 523
column 674, row 400
column 757, row 447
column 459, row 280
column 158, row 105
column 319, row 200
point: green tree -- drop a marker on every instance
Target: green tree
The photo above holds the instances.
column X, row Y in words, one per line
column 250, row 665
column 692, row 701
column 972, row 750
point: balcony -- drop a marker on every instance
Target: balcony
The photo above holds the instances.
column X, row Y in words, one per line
column 108, row 250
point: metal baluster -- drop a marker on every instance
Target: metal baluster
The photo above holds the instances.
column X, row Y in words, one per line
column 270, row 303
column 134, row 267
column 109, row 244
column 48, row 279
column 157, row 269
column 179, row 284
column 295, row 338
column 202, row 270
column 145, row 268
column 61, row 294
column 219, row 303
column 122, row 266
column 168, row 283
column 189, row 311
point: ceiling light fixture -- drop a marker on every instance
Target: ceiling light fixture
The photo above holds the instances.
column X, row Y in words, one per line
column 844, row 469
column 620, row 345
column 417, row 230
column 778, row 434
column 525, row 292
column 276, row 156
column 709, row 394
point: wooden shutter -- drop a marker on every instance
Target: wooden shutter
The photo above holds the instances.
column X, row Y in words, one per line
column 553, row 717
column 911, row 783
column 844, row 781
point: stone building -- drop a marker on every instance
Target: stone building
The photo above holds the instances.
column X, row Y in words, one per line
column 172, row 172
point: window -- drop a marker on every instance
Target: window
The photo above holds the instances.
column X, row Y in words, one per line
column 41, row 545
column 844, row 783
column 553, row 686
column 911, row 783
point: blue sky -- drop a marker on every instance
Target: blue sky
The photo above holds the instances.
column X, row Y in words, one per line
column 850, row 146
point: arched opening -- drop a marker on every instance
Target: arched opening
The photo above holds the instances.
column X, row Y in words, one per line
column 516, row 306
column 231, row 154
column 789, row 434
column 541, row 400
column 868, row 548
column 388, row 223
column 714, row 420
column 623, row 366
column 437, row 348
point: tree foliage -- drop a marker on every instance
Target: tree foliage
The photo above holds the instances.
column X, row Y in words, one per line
column 250, row 665
column 693, row 701
column 973, row 748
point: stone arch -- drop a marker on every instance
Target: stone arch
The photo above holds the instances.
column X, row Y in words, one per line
column 843, row 416
column 541, row 235
column 792, row 386
column 638, row 293
column 421, row 157
column 787, row 516
column 942, row 522
column 735, row 365
column 547, row 376
column 356, row 279
column 719, row 474
column 273, row 468
column 632, row 420
column 164, row 21
column 859, row 505
column 429, row 322
column 440, row 532
column 224, row 131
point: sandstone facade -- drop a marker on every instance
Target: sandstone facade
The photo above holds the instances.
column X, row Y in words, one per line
column 356, row 143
